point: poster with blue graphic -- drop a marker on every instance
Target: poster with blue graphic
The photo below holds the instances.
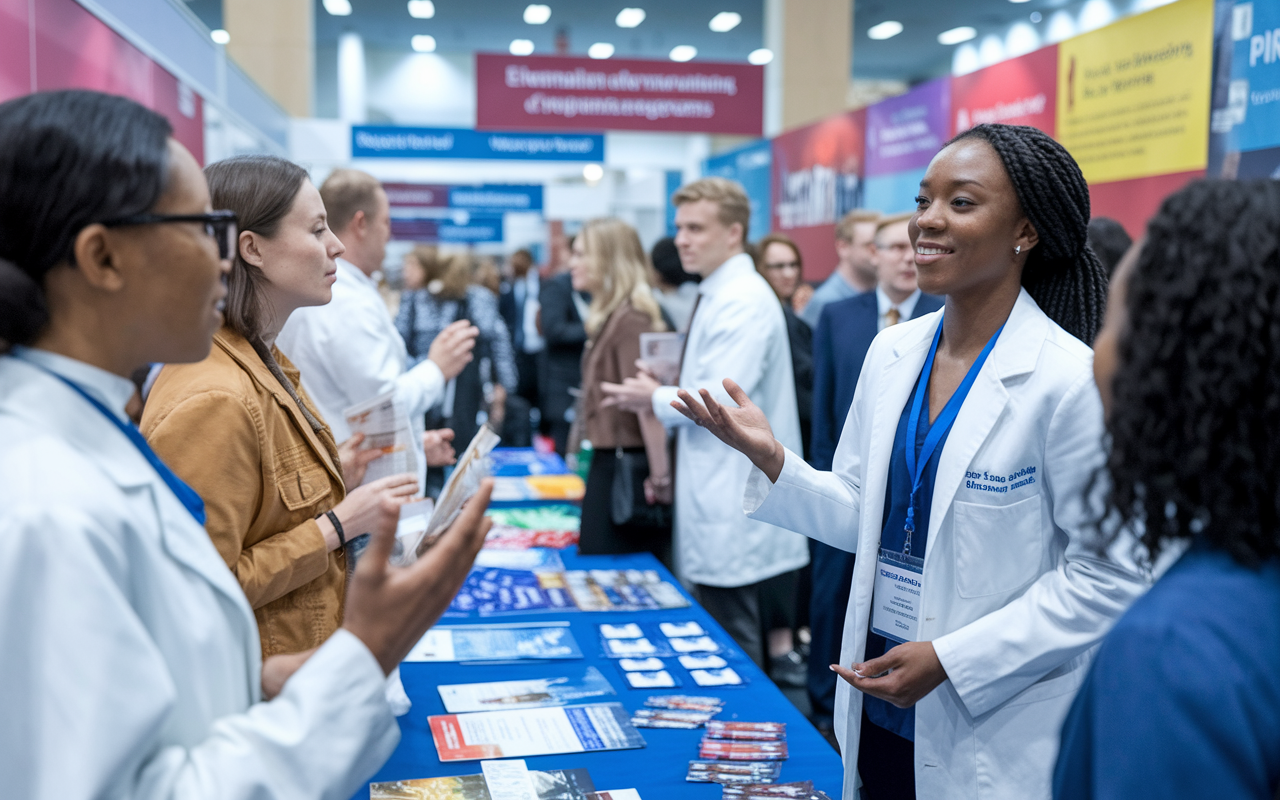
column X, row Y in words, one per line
column 751, row 166
column 1245, row 122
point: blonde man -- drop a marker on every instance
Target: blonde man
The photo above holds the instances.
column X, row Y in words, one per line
column 856, row 269
column 737, row 331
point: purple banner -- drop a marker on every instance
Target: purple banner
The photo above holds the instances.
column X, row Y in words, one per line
column 905, row 132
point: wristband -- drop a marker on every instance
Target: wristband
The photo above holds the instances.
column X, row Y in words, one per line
column 337, row 528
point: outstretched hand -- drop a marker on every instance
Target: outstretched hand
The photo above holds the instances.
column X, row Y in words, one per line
column 745, row 428
column 902, row 676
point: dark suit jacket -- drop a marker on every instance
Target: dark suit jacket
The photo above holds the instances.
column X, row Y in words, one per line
column 562, row 359
column 801, row 339
column 840, row 344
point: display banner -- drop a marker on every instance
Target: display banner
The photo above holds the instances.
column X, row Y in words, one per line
column 752, row 166
column 905, row 132
column 571, row 94
column 457, row 228
column 1245, row 122
column 1020, row 91
column 1133, row 97
column 15, row 49
column 480, row 198
column 817, row 178
column 396, row 141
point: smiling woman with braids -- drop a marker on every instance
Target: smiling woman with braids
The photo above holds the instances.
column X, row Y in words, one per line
column 1184, row 698
column 959, row 480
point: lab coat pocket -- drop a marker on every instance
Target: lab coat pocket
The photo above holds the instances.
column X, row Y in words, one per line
column 998, row 548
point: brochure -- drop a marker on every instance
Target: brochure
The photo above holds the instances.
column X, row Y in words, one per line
column 615, row 794
column 622, row 590
column 540, row 692
column 566, row 784
column 385, row 426
column 558, row 517
column 462, row 484
column 491, row 592
column 533, row 732
column 661, row 353
column 496, row 642
column 538, row 487
column 521, row 461
column 534, row 558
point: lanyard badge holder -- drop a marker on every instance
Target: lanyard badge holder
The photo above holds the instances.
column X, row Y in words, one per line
column 899, row 584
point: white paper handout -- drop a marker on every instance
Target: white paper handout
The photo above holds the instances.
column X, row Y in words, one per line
column 461, row 486
column 661, row 354
column 386, row 427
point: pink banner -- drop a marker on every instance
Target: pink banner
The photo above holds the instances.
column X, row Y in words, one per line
column 1020, row 91
column 584, row 94
column 15, row 49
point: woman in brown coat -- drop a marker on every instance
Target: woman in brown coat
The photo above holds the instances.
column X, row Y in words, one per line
column 608, row 261
column 239, row 428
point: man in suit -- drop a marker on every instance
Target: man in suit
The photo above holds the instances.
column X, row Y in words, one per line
column 840, row 343
column 563, row 313
column 518, row 304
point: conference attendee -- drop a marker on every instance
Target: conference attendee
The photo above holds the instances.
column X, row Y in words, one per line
column 348, row 350
column 609, row 262
column 519, row 303
column 1183, row 699
column 1109, row 240
column 961, row 480
column 131, row 655
column 563, row 316
column 739, row 332
column 845, row 331
column 675, row 290
column 779, row 261
column 855, row 270
column 240, row 429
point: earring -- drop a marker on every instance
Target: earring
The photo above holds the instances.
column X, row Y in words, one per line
column 1017, row 250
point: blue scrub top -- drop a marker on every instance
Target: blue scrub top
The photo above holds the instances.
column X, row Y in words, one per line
column 1183, row 699
column 902, row 721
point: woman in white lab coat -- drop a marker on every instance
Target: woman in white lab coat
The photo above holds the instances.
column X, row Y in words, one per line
column 960, row 482
column 131, row 660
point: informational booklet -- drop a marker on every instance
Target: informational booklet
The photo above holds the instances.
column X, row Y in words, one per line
column 496, row 591
column 496, row 642
column 461, row 485
column 661, row 354
column 534, row 732
column 386, row 427
column 537, row 693
column 615, row 794
column 534, row 559
column 622, row 590
column 521, row 461
column 560, row 784
column 538, row 487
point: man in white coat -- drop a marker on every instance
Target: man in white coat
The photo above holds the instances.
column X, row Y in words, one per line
column 738, row 331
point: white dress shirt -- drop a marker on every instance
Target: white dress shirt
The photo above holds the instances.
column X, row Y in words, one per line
column 526, row 292
column 130, row 657
column 349, row 351
column 905, row 309
column 739, row 332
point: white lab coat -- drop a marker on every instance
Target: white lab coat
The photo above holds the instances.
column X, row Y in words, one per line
column 738, row 332
column 1014, row 599
column 129, row 655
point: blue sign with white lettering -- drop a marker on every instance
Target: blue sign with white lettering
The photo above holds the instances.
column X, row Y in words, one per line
column 751, row 166
column 465, row 229
column 394, row 141
column 491, row 197
column 1253, row 104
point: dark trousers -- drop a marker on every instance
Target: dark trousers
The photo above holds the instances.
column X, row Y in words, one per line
column 886, row 764
column 737, row 609
column 832, row 580
column 527, row 376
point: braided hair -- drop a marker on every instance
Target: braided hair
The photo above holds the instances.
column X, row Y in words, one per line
column 1195, row 417
column 1062, row 274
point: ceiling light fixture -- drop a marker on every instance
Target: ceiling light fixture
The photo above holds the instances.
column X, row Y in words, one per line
column 593, row 172
column 683, row 52
column 220, row 36
column 600, row 50
column 521, row 47
column 957, row 35
column 338, row 8
column 630, row 17
column 760, row 57
column 423, row 43
column 725, row 21
column 1036, row 16
column 885, row 30
column 536, row 13
column 422, row 9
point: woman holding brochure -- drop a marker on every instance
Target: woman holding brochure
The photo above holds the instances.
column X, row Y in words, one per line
column 960, row 481
column 240, row 429
column 130, row 655
column 608, row 261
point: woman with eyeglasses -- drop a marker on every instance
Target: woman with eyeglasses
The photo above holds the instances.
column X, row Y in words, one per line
column 131, row 658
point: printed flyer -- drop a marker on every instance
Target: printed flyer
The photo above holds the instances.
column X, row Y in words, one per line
column 534, row 732
column 463, row 697
column 496, row 642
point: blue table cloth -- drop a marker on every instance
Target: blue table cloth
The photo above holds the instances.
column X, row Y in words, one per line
column 657, row 771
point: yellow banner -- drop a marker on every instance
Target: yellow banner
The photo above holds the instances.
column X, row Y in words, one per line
column 1133, row 97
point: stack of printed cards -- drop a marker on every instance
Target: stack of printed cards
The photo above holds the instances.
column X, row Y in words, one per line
column 751, row 773
column 641, row 648
column 798, row 789
column 677, row 711
column 744, row 741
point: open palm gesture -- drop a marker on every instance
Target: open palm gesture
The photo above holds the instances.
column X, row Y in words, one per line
column 745, row 428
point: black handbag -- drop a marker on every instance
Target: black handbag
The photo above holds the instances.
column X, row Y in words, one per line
column 628, row 506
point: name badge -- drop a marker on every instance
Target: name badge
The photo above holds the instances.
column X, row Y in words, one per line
column 899, row 587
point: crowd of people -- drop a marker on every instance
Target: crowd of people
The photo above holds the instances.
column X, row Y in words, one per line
column 960, row 463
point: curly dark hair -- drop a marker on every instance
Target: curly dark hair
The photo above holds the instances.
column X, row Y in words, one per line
column 1195, row 419
column 1062, row 274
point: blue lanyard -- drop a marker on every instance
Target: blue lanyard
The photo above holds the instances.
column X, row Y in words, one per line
column 186, row 495
column 916, row 463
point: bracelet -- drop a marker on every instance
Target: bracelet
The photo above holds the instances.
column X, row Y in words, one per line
column 337, row 528
column 665, row 480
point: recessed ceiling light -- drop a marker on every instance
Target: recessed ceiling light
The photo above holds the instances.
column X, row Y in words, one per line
column 1019, row 1
column 1036, row 16
column 220, row 36
column 521, row 47
column 593, row 172
column 600, row 50
column 536, row 13
column 424, row 43
column 725, row 21
column 338, row 8
column 683, row 52
column 957, row 35
column 760, row 57
column 630, row 17
column 885, row 30
column 422, row 9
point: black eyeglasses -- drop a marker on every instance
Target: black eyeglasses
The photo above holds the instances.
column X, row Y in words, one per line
column 221, row 225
